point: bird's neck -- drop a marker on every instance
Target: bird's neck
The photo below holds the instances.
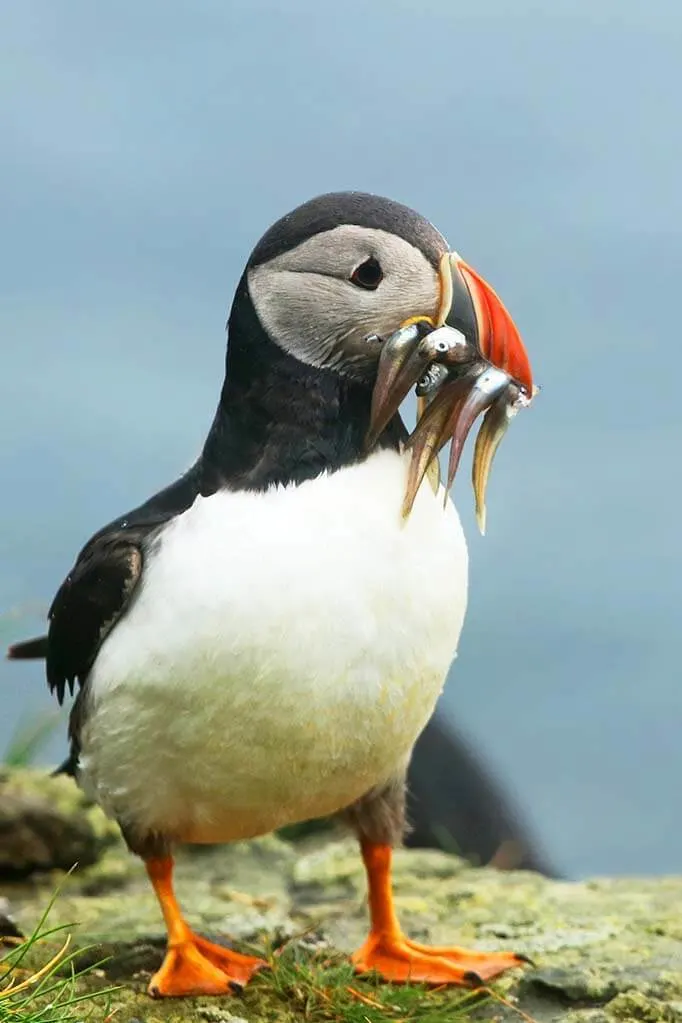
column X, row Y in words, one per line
column 279, row 420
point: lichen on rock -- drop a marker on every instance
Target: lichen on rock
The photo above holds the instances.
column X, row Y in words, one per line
column 606, row 951
column 47, row 822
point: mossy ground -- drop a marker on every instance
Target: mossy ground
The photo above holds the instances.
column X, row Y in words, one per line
column 605, row 950
column 304, row 982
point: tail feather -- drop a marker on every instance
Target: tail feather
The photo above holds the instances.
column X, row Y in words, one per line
column 68, row 767
column 29, row 650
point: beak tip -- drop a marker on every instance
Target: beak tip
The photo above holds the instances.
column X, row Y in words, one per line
column 481, row 516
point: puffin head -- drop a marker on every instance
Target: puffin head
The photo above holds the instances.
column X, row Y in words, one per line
column 366, row 288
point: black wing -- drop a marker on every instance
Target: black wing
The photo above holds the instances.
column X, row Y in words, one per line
column 97, row 591
column 92, row 598
column 88, row 605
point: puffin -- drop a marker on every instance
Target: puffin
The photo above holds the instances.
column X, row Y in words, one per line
column 263, row 641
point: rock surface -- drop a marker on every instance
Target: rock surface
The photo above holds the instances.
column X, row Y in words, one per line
column 46, row 823
column 605, row 950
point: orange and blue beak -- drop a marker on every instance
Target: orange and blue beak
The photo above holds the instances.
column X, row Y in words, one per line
column 467, row 360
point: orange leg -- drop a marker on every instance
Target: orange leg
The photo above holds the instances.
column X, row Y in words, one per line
column 193, row 965
column 388, row 952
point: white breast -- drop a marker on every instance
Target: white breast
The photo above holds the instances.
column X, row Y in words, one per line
column 282, row 655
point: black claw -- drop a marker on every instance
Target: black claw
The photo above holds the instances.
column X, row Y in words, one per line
column 525, row 959
column 473, row 979
column 236, row 987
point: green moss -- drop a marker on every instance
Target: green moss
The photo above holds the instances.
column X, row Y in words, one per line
column 303, row 983
column 633, row 1005
column 46, row 822
column 60, row 792
column 606, row 950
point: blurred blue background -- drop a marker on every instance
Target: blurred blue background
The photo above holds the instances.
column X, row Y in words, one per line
column 145, row 148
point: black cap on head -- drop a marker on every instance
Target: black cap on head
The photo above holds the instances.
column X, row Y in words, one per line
column 326, row 212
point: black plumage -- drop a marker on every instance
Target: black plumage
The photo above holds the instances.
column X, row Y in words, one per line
column 325, row 212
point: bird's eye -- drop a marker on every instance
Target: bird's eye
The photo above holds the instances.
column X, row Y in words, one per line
column 368, row 275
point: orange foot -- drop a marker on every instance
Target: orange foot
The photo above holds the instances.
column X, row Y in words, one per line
column 400, row 960
column 195, row 966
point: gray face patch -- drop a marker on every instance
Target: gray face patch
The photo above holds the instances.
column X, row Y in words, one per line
column 307, row 303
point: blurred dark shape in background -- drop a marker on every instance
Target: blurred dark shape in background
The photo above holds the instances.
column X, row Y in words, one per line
column 455, row 804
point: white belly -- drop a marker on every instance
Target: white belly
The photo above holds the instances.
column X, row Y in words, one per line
column 281, row 657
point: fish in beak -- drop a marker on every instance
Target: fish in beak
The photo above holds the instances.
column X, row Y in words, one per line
column 467, row 360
